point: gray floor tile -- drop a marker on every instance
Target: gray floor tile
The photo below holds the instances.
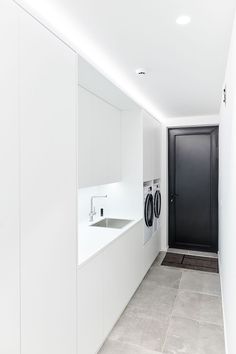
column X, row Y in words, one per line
column 148, row 333
column 167, row 277
column 151, row 300
column 181, row 336
column 116, row 347
column 179, row 310
column 202, row 282
column 196, row 306
column 187, row 336
column 211, row 339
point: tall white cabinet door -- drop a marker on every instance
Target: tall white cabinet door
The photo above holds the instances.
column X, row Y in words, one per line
column 148, row 147
column 151, row 148
column 48, row 96
column 9, row 176
column 99, row 143
column 157, row 149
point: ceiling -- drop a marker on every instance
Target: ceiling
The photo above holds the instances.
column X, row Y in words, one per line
column 185, row 64
column 91, row 80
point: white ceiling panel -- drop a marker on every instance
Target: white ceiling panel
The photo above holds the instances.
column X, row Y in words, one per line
column 185, row 64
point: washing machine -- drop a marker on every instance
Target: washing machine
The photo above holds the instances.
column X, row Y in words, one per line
column 157, row 205
column 148, row 212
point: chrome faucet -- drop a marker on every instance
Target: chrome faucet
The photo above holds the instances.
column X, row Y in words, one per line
column 92, row 208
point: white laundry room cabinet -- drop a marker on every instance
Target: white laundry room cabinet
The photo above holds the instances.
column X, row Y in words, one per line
column 99, row 140
column 151, row 147
column 48, row 181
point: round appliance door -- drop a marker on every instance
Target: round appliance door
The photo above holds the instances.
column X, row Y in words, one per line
column 149, row 210
column 157, row 204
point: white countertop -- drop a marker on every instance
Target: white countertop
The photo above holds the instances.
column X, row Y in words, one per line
column 92, row 240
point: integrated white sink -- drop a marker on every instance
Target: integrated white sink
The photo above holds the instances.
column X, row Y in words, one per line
column 112, row 223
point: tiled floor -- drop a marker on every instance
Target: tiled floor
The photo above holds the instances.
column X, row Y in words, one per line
column 174, row 311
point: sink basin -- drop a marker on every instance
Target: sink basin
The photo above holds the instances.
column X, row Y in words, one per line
column 112, row 223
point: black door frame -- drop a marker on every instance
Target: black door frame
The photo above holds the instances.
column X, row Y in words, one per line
column 214, row 191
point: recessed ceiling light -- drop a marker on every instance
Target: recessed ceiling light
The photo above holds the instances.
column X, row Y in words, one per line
column 141, row 72
column 183, row 20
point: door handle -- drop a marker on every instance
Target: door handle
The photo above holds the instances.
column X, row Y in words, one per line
column 172, row 197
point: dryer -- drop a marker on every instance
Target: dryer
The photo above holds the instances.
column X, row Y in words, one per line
column 157, row 205
column 148, row 212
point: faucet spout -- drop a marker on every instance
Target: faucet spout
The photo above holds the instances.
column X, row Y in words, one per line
column 92, row 208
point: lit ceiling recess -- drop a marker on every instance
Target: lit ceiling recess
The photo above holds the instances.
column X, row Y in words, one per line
column 183, row 20
column 141, row 72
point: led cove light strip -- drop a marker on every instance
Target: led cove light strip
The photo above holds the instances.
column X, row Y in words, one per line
column 62, row 27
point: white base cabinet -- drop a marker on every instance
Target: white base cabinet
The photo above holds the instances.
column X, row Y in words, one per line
column 90, row 306
column 122, row 274
column 151, row 250
column 107, row 282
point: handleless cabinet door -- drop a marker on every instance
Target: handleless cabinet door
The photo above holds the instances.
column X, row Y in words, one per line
column 90, row 306
column 122, row 274
column 157, row 149
column 48, row 100
column 99, row 143
column 148, row 147
column 151, row 148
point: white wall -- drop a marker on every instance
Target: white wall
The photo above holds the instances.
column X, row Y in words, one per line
column 9, row 182
column 192, row 121
column 227, row 198
column 111, row 204
column 179, row 122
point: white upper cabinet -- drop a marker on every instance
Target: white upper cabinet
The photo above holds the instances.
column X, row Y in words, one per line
column 151, row 148
column 148, row 148
column 48, row 128
column 157, row 133
column 99, row 141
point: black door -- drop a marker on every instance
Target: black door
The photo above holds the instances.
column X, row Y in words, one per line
column 193, row 188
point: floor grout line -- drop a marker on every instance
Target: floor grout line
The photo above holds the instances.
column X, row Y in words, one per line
column 171, row 315
column 134, row 345
column 200, row 292
column 184, row 317
column 198, row 321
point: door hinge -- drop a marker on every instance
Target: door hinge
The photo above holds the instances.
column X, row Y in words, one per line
column 225, row 95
